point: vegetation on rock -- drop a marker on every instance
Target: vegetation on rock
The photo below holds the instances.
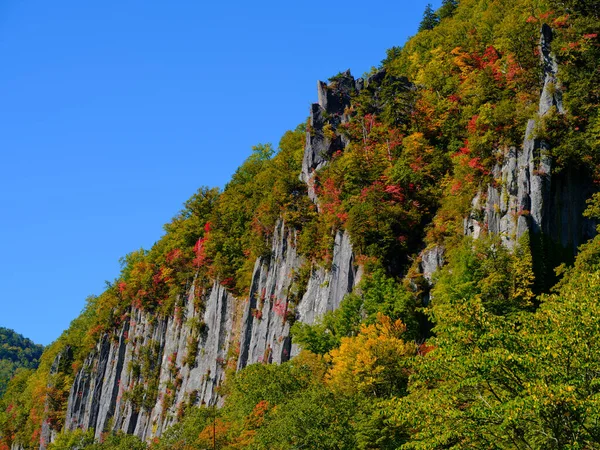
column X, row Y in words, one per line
column 486, row 358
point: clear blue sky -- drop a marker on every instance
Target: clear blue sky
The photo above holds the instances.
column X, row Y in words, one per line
column 113, row 113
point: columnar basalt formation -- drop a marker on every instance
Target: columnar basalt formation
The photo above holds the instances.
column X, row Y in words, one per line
column 116, row 389
column 276, row 297
column 527, row 195
column 139, row 377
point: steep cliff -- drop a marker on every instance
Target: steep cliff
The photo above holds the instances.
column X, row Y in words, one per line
column 527, row 195
column 138, row 377
column 278, row 296
column 322, row 138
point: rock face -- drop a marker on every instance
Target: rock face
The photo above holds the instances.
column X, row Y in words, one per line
column 322, row 140
column 431, row 260
column 527, row 196
column 327, row 288
column 277, row 296
column 323, row 135
column 138, row 377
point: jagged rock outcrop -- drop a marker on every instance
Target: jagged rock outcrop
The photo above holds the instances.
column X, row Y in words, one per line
column 138, row 377
column 277, row 296
column 322, row 138
column 429, row 261
column 327, row 288
column 269, row 308
column 526, row 195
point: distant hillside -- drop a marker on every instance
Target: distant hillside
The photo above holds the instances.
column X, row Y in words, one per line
column 16, row 351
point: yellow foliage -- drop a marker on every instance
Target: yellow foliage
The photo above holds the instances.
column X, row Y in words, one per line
column 373, row 361
column 522, row 269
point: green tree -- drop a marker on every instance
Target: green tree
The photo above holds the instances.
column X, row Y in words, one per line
column 430, row 19
column 377, row 294
column 16, row 351
column 79, row 439
column 522, row 380
column 119, row 441
column 315, row 418
column 73, row 440
column 447, row 9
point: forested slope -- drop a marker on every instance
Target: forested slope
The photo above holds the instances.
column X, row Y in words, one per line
column 401, row 272
column 16, row 352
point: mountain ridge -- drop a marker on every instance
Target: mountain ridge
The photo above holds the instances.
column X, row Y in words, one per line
column 393, row 199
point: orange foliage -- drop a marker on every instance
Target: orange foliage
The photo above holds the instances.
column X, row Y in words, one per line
column 215, row 432
column 425, row 348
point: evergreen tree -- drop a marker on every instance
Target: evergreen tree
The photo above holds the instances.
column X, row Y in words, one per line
column 447, row 9
column 430, row 19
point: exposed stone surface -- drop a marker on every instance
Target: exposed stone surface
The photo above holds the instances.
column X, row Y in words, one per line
column 527, row 196
column 265, row 326
column 114, row 389
column 327, row 288
column 101, row 396
column 322, row 139
column 431, row 260
column 551, row 92
column 146, row 347
column 376, row 78
column 359, row 84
